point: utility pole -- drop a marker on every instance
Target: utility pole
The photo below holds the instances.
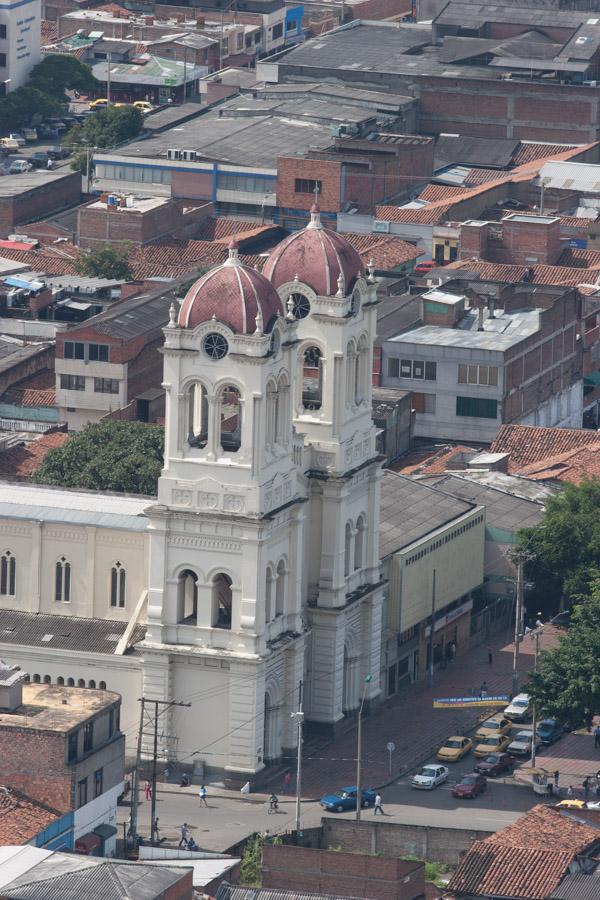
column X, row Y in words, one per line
column 135, row 781
column 298, row 718
column 536, row 637
column 519, row 557
column 108, row 78
column 430, row 669
column 359, row 750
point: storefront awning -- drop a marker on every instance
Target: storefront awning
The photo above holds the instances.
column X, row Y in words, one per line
column 87, row 843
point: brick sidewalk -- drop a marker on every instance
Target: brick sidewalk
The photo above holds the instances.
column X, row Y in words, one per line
column 410, row 721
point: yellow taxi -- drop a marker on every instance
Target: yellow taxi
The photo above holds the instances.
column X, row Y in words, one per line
column 492, row 743
column 143, row 105
column 493, row 726
column 571, row 804
column 100, row 103
column 455, row 748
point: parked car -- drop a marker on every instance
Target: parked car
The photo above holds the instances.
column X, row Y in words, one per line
column 19, row 167
column 39, row 159
column 571, row 804
column 45, row 131
column 470, row 786
column 58, row 152
column 495, row 764
column 346, row 799
column 492, row 743
column 494, row 725
column 57, row 124
column 521, row 746
column 100, row 103
column 550, row 730
column 30, row 134
column 455, row 748
column 429, row 777
column 422, row 268
column 10, row 144
column 143, row 105
column 519, row 708
column 18, row 137
column 562, row 618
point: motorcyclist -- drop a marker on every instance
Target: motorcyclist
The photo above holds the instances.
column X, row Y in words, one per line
column 274, row 802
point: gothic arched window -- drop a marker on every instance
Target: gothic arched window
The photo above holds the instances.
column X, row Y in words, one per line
column 117, row 585
column 62, row 581
column 359, row 542
column 230, row 418
column 8, row 574
column 312, row 378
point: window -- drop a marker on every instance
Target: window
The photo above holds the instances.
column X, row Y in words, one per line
column 72, row 382
column 88, row 737
column 239, row 38
column 74, row 350
column 82, row 792
column 70, row 682
column 430, row 371
column 307, row 185
column 347, row 548
column 72, row 746
column 423, row 403
column 253, row 184
column 106, row 385
column 98, row 783
column 117, row 586
column 417, row 368
column 478, row 375
column 476, row 407
column 3, row 32
column 62, row 581
column 393, row 368
column 277, row 31
column 280, row 588
column 101, row 685
column 98, row 352
column 8, row 571
column 222, row 599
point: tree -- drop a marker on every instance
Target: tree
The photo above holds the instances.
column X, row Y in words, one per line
column 108, row 127
column 56, row 73
column 25, row 105
column 566, row 546
column 567, row 681
column 106, row 262
column 126, row 457
column 251, row 867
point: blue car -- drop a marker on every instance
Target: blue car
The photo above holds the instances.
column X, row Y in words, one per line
column 549, row 730
column 345, row 799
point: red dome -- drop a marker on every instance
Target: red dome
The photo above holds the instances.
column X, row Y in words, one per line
column 233, row 294
column 317, row 256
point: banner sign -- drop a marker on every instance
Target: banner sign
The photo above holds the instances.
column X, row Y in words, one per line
column 452, row 702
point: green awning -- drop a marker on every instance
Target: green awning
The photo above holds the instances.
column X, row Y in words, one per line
column 592, row 378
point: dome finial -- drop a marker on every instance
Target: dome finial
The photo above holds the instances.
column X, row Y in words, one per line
column 315, row 210
column 371, row 270
column 259, row 322
column 290, row 309
column 172, row 316
column 234, row 256
column 341, row 283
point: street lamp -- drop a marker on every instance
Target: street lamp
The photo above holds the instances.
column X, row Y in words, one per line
column 368, row 679
column 298, row 718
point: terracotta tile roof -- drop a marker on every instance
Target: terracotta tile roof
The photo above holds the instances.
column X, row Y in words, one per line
column 576, row 222
column 484, row 176
column 386, row 251
column 498, row 871
column 23, row 461
column 432, row 462
column 527, row 444
column 426, row 215
column 547, row 828
column 575, row 466
column 530, row 152
column 580, row 259
column 114, row 9
column 218, row 227
column 22, row 818
column 50, row 261
column 441, row 192
column 38, row 389
column 505, row 272
column 49, row 32
column 174, row 258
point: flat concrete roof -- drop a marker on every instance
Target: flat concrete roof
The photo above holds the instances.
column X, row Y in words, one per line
column 139, row 204
column 13, row 185
column 500, row 333
column 52, row 707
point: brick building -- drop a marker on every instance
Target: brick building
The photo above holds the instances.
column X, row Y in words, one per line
column 70, row 755
column 26, row 821
column 517, row 239
column 108, row 361
column 117, row 219
column 36, row 194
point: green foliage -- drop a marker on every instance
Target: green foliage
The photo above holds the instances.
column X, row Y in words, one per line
column 250, row 869
column 26, row 105
column 114, row 456
column 434, row 871
column 567, row 681
column 106, row 262
column 108, row 127
column 56, row 73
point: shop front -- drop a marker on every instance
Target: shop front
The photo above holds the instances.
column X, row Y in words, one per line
column 451, row 633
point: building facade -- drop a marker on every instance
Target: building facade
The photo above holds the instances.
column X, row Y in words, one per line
column 20, row 30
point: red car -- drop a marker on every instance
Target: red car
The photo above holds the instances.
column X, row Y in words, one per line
column 470, row 786
column 425, row 266
column 495, row 764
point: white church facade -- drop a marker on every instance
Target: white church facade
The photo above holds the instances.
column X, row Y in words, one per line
column 256, row 568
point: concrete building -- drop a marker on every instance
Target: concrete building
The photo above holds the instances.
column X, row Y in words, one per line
column 471, row 371
column 20, row 30
column 70, row 755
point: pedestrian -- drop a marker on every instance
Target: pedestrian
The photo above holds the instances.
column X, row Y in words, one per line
column 586, row 788
column 148, row 791
column 202, row 794
column 490, row 656
column 155, row 830
column 570, row 791
column 50, row 164
column 483, row 689
column 556, row 778
column 596, row 737
column 378, row 805
column 287, row 782
column 185, row 833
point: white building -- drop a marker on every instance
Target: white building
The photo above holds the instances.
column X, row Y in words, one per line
column 20, row 30
column 257, row 567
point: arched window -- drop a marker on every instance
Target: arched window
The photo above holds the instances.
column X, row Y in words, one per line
column 101, row 685
column 312, row 379
column 60, row 680
column 363, row 375
column 117, row 585
column 269, row 612
column 28, row 678
column 222, row 599
column 62, row 581
column 359, row 543
column 283, row 391
column 70, row 682
column 47, row 679
column 8, row 574
column 280, row 588
column 36, row 679
column 187, row 598
column 92, row 684
column 347, row 548
column 81, row 683
column 197, row 404
column 230, row 419
column 351, row 357
column 273, row 412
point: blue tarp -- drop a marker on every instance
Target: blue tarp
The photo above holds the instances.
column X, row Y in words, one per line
column 15, row 281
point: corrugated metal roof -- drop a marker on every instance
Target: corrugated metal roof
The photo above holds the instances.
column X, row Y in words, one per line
column 228, row 891
column 578, row 887
column 571, row 176
column 66, row 632
column 23, row 501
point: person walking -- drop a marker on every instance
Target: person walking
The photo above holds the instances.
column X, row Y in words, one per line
column 148, row 791
column 586, row 788
column 155, row 836
column 596, row 737
column 556, row 779
column 483, row 690
column 378, row 806
column 570, row 791
column 287, row 782
column 202, row 793
column 185, row 833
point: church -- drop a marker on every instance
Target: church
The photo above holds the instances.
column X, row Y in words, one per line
column 252, row 582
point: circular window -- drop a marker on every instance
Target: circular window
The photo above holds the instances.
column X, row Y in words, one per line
column 300, row 306
column 215, row 345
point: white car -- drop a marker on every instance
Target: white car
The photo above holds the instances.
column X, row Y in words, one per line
column 429, row 777
column 521, row 745
column 519, row 708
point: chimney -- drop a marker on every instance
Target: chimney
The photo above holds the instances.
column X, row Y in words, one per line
column 480, row 318
column 149, row 20
column 491, row 308
column 11, row 687
column 200, row 21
